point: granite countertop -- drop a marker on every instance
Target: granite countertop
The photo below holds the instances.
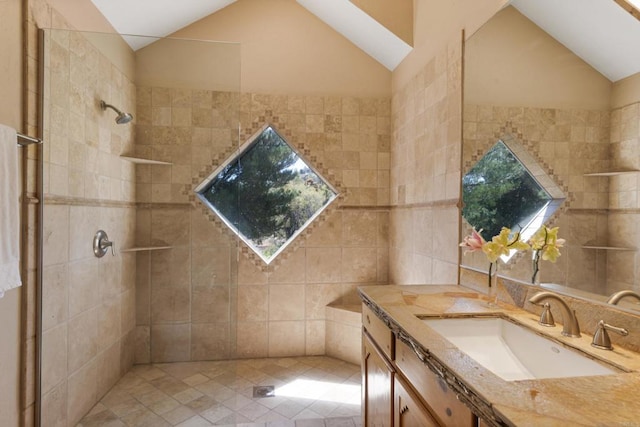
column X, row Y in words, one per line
column 611, row 400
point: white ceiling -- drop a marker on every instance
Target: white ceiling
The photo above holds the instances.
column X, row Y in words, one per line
column 361, row 29
column 156, row 18
column 600, row 32
column 159, row 18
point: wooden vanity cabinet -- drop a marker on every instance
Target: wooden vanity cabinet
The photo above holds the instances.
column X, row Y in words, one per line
column 398, row 390
column 377, row 386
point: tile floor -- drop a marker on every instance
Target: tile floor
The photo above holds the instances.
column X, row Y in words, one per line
column 309, row 392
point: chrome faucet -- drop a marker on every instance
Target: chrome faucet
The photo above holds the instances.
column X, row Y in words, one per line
column 617, row 296
column 570, row 327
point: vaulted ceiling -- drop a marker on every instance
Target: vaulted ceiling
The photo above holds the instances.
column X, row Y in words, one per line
column 164, row 17
column 601, row 32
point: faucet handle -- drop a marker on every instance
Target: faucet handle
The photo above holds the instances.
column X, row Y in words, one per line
column 601, row 337
column 546, row 318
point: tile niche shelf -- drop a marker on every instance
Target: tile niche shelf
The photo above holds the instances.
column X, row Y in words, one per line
column 612, row 173
column 145, row 248
column 607, row 248
column 142, row 161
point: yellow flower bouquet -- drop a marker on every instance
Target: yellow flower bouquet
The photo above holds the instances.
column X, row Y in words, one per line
column 499, row 245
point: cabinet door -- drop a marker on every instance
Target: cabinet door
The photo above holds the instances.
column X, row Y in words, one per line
column 377, row 386
column 408, row 411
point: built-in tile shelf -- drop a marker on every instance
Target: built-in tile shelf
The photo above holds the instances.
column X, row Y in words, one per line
column 142, row 161
column 609, row 248
column 147, row 248
column 611, row 173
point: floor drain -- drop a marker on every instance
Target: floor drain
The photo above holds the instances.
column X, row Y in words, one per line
column 264, row 391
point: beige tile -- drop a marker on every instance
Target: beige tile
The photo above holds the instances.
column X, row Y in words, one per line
column 286, row 302
column 54, row 296
column 250, row 273
column 56, row 232
column 54, row 357
column 210, row 341
column 54, row 406
column 359, row 265
column 211, row 266
column 315, row 337
column 108, row 368
column 170, row 227
column 144, row 417
column 85, row 221
column 109, row 323
column 127, row 351
column 110, row 285
column 127, row 312
column 82, row 339
column 324, row 265
column 343, row 341
column 291, row 269
column 318, row 296
column 252, row 339
column 142, row 344
column 327, row 233
column 160, row 97
column 170, row 343
column 253, row 303
column 286, row 338
column 82, row 392
column 210, row 304
column 83, row 289
column 170, row 285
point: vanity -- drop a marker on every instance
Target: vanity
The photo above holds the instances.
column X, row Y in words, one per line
column 414, row 375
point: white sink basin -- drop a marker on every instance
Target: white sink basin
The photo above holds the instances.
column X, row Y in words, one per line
column 513, row 352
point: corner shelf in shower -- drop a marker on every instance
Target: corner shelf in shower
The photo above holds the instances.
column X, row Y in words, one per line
column 611, row 173
column 146, row 248
column 142, row 161
column 608, row 248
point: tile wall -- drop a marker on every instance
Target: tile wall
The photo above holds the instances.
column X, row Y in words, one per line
column 89, row 303
column 208, row 297
column 425, row 172
column 567, row 144
column 624, row 202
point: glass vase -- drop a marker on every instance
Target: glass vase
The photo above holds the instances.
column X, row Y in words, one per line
column 535, row 270
column 492, row 288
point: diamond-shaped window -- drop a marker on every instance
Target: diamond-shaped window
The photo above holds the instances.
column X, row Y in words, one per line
column 266, row 193
column 508, row 188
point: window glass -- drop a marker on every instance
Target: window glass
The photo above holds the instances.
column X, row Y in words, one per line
column 266, row 193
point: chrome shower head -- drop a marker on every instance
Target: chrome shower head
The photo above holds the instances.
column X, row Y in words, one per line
column 121, row 118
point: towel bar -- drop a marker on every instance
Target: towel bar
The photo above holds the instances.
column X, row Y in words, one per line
column 24, row 140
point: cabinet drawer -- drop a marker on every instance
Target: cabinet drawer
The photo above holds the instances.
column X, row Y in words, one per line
column 380, row 333
column 433, row 390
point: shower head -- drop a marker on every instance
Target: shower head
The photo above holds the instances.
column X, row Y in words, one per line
column 121, row 118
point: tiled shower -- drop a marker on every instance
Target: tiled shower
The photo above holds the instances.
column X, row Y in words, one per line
column 179, row 285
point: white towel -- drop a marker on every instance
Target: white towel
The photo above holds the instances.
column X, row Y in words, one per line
column 9, row 211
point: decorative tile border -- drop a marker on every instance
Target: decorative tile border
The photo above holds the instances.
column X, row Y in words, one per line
column 267, row 117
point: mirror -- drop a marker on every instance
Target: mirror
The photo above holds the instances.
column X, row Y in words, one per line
column 580, row 124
